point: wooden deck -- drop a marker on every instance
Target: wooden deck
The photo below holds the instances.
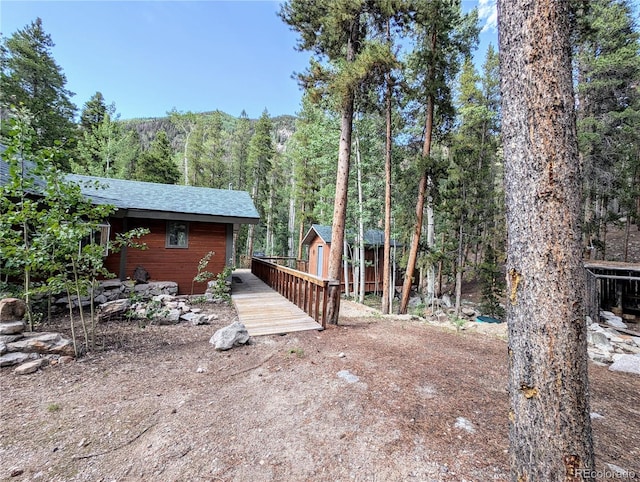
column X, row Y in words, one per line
column 264, row 311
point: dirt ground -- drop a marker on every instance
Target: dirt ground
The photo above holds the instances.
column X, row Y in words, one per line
column 373, row 399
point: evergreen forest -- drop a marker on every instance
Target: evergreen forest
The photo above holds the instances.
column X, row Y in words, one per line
column 399, row 130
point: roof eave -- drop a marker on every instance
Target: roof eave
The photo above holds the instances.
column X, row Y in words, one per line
column 175, row 216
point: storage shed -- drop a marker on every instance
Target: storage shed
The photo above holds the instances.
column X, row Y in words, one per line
column 318, row 240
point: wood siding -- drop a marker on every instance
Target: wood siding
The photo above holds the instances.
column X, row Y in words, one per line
column 373, row 276
column 313, row 257
column 171, row 264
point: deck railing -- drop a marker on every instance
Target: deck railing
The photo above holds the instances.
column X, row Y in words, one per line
column 306, row 291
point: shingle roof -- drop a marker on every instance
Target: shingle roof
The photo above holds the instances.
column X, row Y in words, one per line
column 372, row 237
column 149, row 196
column 27, row 167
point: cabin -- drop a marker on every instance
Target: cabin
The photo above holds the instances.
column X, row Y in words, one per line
column 614, row 286
column 318, row 242
column 184, row 224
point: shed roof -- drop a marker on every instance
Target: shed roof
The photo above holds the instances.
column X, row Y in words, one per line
column 372, row 237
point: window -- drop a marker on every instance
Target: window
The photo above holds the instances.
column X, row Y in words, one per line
column 103, row 237
column 177, row 234
column 100, row 236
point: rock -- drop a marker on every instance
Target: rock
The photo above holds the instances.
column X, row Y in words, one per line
column 600, row 341
column 446, row 301
column 232, row 335
column 195, row 319
column 464, row 424
column 46, row 343
column 100, row 299
column 599, row 356
column 214, row 317
column 141, row 275
column 595, row 416
column 200, row 320
column 173, row 316
column 630, row 348
column 30, row 366
column 626, row 363
column 10, row 338
column 12, row 309
column 111, row 284
column 613, row 335
column 11, row 327
column 113, row 309
column 612, row 320
column 470, row 312
column 187, row 316
column 347, row 376
column 141, row 288
column 3, row 348
column 166, row 299
column 167, row 287
column 14, row 358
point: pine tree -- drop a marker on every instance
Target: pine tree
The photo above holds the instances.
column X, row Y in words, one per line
column 261, row 153
column 240, row 151
column 608, row 71
column 550, row 427
column 442, row 36
column 336, row 31
column 94, row 111
column 156, row 164
column 31, row 78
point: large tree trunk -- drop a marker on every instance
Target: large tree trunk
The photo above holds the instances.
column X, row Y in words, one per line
column 550, row 428
column 425, row 180
column 425, row 183
column 342, row 185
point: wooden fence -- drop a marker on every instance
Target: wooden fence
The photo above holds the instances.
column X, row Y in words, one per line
column 306, row 291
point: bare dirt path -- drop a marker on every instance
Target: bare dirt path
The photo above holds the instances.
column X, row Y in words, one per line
column 375, row 398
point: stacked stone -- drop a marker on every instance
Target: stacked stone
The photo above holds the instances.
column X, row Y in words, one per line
column 28, row 351
column 111, row 290
column 162, row 309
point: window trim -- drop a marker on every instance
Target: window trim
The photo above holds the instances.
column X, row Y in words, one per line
column 167, row 243
column 104, row 231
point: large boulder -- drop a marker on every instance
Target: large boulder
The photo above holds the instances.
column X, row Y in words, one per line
column 232, row 335
column 45, row 343
column 12, row 309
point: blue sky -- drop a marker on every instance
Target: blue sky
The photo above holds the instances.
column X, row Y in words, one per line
column 151, row 56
